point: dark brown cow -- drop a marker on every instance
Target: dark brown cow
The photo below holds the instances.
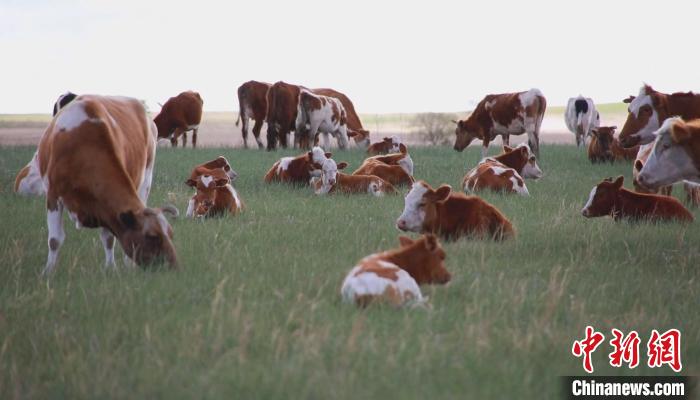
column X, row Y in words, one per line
column 610, row 198
column 215, row 195
column 649, row 109
column 252, row 102
column 503, row 114
column 178, row 115
column 604, row 146
column 386, row 146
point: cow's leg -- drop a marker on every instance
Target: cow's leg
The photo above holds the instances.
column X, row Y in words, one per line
column 107, row 239
column 506, row 139
column 244, row 129
column 256, row 132
column 533, row 140
column 342, row 135
column 54, row 221
column 313, row 131
column 485, row 148
column 283, row 138
column 175, row 135
column 194, row 137
column 184, row 139
column 326, row 140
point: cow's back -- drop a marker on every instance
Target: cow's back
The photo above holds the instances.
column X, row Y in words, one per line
column 353, row 120
column 282, row 102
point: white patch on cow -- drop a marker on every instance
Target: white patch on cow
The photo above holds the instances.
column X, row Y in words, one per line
column 413, row 215
column 318, row 155
column 54, row 221
column 487, row 160
column 206, row 180
column 375, row 189
column 529, row 97
column 498, row 170
column 515, row 127
column 668, row 162
column 107, row 238
column 519, row 188
column 370, row 284
column 190, row 208
column 406, row 163
column 284, row 164
column 74, row 217
column 646, row 133
column 71, row 117
column 32, row 184
column 234, row 194
column 584, row 211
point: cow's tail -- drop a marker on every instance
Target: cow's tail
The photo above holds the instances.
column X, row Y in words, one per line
column 241, row 100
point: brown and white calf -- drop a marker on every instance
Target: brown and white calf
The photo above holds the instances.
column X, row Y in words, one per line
column 215, row 194
column 179, row 115
column 610, row 198
column 505, row 172
column 649, row 109
column 332, row 181
column 96, row 159
column 298, row 169
column 386, row 146
column 394, row 276
column 322, row 114
column 402, row 159
column 252, row 104
column 451, row 215
column 605, row 147
column 219, row 162
column 396, row 168
column 503, row 114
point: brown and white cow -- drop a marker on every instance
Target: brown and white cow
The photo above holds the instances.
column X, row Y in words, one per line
column 503, row 114
column 394, row 276
column 386, row 146
column 451, row 215
column 215, row 194
column 96, row 160
column 605, row 147
column 252, row 103
column 179, row 115
column 643, row 154
column 218, row 162
column 395, row 168
column 355, row 129
column 505, row 172
column 650, row 109
column 332, row 181
column 402, row 159
column 610, row 198
column 322, row 114
column 298, row 169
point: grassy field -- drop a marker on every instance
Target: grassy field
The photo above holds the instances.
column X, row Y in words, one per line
column 255, row 310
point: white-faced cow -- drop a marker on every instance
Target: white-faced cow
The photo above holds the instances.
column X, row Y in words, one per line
column 179, row 115
column 503, row 114
column 332, row 181
column 215, row 194
column 392, row 277
column 320, row 114
column 675, row 155
column 96, row 160
column 581, row 117
column 650, row 109
column 252, row 103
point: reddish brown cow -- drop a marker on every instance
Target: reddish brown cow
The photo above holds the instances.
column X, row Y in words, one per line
column 332, row 181
column 396, row 168
column 610, row 198
column 215, row 195
column 604, row 146
column 219, row 162
column 393, row 276
column 503, row 114
column 298, row 169
column 252, row 103
column 178, row 115
column 386, row 146
column 402, row 159
column 451, row 215
column 649, row 109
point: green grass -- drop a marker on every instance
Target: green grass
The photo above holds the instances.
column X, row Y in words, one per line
column 255, row 310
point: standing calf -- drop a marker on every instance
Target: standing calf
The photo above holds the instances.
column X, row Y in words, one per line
column 178, row 115
column 323, row 114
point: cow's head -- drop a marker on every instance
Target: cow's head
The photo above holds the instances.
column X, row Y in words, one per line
column 604, row 136
column 466, row 131
column 207, row 185
column 315, row 159
column 329, row 173
column 642, row 118
column 425, row 260
column 603, row 198
column 420, row 206
column 530, row 170
column 360, row 136
column 146, row 236
column 670, row 160
column 405, row 162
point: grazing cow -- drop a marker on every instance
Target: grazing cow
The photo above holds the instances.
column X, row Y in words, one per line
column 179, row 115
column 63, row 101
column 604, row 146
column 215, row 195
column 610, row 198
column 96, row 159
column 332, row 181
column 451, row 215
column 650, row 109
column 505, row 172
column 252, row 103
column 503, row 114
column 386, row 146
column 393, row 276
column 581, row 117
column 219, row 162
column 355, row 129
column 298, row 169
column 322, row 114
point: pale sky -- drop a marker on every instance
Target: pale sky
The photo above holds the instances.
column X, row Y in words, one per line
column 386, row 56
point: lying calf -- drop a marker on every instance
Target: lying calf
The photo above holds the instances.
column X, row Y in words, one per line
column 451, row 215
column 610, row 198
column 396, row 168
column 604, row 146
column 215, row 195
column 505, row 172
column 219, row 162
column 388, row 145
column 332, row 181
column 393, row 276
column 298, row 169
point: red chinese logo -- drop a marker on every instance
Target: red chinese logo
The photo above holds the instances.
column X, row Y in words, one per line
column 665, row 349
column 626, row 349
column 587, row 346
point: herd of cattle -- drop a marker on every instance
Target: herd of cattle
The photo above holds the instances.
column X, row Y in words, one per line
column 96, row 160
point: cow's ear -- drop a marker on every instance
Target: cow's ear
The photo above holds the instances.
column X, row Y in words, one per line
column 679, row 132
column 221, row 182
column 388, row 139
column 342, row 165
column 170, row 210
column 431, row 242
column 507, row 149
column 191, row 183
column 628, row 100
column 443, row 192
column 524, row 151
column 638, row 165
column 352, row 134
column 594, row 132
column 328, row 155
column 402, row 148
column 310, row 156
column 618, row 182
column 405, row 241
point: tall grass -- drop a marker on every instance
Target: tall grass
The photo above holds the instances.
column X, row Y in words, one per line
column 255, row 311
